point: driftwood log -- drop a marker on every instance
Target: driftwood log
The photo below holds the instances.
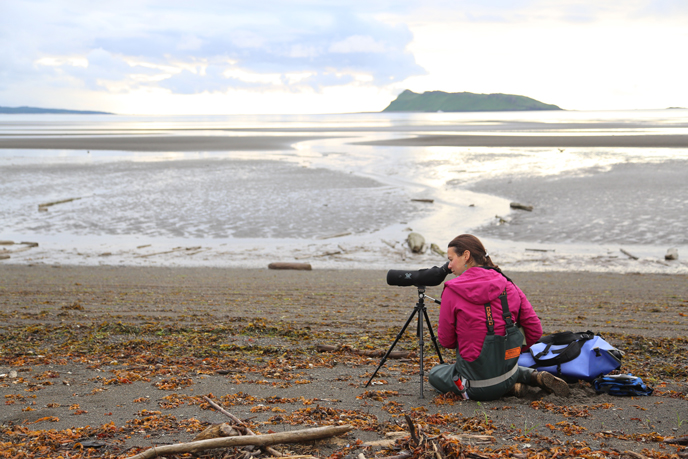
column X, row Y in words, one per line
column 517, row 205
column 296, row 436
column 367, row 353
column 286, row 265
column 45, row 206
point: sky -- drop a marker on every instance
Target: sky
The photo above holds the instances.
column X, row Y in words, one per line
column 319, row 56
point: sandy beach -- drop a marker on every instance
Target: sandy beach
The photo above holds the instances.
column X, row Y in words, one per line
column 139, row 347
column 143, row 297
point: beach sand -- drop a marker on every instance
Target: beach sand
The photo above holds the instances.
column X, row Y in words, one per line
column 138, row 347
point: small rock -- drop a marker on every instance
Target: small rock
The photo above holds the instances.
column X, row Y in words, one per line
column 13, row 374
column 672, row 254
column 416, row 242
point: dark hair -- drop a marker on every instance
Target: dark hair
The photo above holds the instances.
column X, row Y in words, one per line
column 464, row 242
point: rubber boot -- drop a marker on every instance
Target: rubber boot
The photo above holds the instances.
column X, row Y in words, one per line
column 550, row 383
column 519, row 390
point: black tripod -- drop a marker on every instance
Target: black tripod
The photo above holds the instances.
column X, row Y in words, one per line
column 422, row 312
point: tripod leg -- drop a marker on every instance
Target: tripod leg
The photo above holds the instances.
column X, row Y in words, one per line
column 384, row 359
column 432, row 335
column 421, row 344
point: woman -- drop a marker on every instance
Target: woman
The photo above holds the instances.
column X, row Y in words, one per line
column 480, row 316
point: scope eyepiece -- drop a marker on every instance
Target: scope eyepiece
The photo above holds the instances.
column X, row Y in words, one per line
column 428, row 277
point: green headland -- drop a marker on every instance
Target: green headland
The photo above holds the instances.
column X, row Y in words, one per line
column 36, row 110
column 439, row 101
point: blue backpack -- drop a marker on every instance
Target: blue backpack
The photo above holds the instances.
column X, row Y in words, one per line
column 621, row 385
column 573, row 356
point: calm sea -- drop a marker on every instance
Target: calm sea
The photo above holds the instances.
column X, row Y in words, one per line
column 338, row 204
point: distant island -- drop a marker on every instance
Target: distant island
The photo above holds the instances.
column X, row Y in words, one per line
column 36, row 110
column 439, row 101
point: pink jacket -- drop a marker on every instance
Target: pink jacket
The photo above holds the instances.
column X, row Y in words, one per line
column 462, row 313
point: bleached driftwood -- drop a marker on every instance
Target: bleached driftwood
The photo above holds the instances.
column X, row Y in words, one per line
column 45, row 205
column 295, row 436
column 629, row 255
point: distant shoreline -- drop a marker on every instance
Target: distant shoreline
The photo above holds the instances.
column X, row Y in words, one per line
column 186, row 143
column 47, row 111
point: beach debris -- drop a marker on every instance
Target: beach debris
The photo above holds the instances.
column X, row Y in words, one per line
column 27, row 246
column 289, row 265
column 517, row 205
column 335, row 235
column 176, row 249
column 540, row 250
column 430, row 201
column 324, row 254
column 6, row 242
column 294, row 436
column 471, row 205
column 629, row 255
column 44, row 207
column 389, row 243
column 367, row 352
column 436, row 248
column 143, row 246
column 416, row 242
column 217, row 431
column 501, row 220
column 672, row 254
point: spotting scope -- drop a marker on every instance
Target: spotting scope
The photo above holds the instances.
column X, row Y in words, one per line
column 428, row 277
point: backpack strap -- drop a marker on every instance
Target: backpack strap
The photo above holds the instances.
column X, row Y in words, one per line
column 506, row 314
column 574, row 342
column 489, row 320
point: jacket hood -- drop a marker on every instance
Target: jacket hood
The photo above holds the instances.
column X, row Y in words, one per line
column 478, row 285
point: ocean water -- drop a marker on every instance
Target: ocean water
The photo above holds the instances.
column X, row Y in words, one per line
column 336, row 203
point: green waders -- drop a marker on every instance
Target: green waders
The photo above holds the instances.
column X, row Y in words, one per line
column 496, row 369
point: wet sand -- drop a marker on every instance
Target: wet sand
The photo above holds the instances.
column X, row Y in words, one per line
column 277, row 140
column 559, row 141
column 157, row 143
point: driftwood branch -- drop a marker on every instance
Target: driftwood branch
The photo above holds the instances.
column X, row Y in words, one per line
column 239, row 422
column 295, row 436
column 412, row 429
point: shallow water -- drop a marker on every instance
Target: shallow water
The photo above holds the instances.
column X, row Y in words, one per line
column 247, row 208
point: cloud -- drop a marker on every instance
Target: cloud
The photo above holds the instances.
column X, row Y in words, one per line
column 207, row 46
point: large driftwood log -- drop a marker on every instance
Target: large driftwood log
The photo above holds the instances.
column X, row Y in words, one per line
column 295, row 436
